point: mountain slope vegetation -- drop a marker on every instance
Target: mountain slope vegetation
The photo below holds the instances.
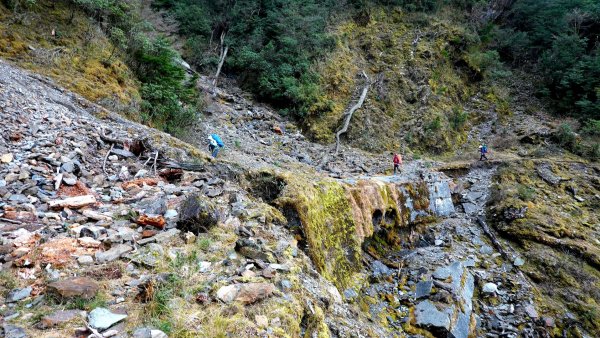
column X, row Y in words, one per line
column 104, row 51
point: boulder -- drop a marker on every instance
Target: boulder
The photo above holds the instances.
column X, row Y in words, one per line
column 423, row 289
column 101, row 318
column 12, row 331
column 60, row 317
column 113, row 254
column 428, row 315
column 197, row 214
column 74, row 287
column 85, row 260
column 245, row 293
column 145, row 332
column 149, row 255
column 18, row 294
column 545, row 172
column 489, row 288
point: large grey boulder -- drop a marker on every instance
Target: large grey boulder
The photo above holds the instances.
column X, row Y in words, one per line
column 440, row 196
column 197, row 214
column 113, row 254
column 18, row 294
column 101, row 318
column 453, row 319
column 12, row 331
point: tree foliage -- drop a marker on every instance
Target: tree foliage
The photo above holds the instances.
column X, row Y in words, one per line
column 272, row 44
column 559, row 39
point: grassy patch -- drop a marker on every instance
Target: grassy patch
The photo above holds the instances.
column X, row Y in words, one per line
column 8, row 281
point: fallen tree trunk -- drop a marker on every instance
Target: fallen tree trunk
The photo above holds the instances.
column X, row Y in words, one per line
column 348, row 115
column 73, row 202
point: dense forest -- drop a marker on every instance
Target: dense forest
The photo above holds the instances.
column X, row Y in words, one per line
column 558, row 39
column 273, row 44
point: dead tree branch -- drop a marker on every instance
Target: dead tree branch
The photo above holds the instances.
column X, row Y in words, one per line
column 106, row 157
column 224, row 50
column 348, row 115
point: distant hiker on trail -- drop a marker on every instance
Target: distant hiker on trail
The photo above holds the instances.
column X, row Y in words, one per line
column 215, row 144
column 483, row 150
column 397, row 163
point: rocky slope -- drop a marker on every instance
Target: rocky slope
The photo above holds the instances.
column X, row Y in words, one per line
column 104, row 234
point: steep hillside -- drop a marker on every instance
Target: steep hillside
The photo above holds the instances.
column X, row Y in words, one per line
column 112, row 228
column 423, row 68
column 60, row 41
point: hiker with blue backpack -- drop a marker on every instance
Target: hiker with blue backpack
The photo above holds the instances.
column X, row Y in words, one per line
column 483, row 150
column 215, row 144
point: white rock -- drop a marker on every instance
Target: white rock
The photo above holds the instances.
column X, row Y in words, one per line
column 110, row 333
column 228, row 293
column 85, row 260
column 262, row 321
column 170, row 213
column 490, row 288
column 205, row 266
column 141, row 173
column 158, row 334
column 6, row 158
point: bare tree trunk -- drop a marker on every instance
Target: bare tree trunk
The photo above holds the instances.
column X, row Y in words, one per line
column 224, row 50
column 348, row 115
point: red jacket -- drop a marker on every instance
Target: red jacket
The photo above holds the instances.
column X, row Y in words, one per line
column 397, row 159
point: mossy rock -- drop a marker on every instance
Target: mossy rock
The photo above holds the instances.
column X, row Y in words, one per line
column 198, row 214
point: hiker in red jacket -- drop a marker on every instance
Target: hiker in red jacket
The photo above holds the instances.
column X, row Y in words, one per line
column 397, row 163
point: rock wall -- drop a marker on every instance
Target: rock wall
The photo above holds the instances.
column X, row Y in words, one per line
column 338, row 216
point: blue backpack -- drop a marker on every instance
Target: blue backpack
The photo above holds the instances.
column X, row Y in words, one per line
column 218, row 140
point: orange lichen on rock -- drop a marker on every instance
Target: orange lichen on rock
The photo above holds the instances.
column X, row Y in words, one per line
column 140, row 182
column 156, row 221
column 58, row 253
column 79, row 189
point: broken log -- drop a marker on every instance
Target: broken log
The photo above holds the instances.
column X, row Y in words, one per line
column 73, row 202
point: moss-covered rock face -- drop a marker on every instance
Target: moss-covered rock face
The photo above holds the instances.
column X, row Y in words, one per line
column 422, row 75
column 551, row 212
column 337, row 218
column 329, row 227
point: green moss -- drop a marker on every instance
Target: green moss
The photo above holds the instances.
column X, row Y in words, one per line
column 415, row 83
column 316, row 326
column 329, row 228
column 555, row 237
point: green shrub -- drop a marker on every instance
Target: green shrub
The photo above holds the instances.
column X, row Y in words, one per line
column 566, row 137
column 272, row 45
column 434, row 125
column 458, row 118
column 557, row 37
column 525, row 193
column 168, row 102
column 484, row 62
column 591, row 128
